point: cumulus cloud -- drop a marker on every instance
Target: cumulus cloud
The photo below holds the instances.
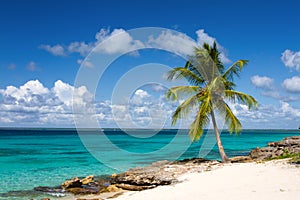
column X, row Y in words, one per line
column 56, row 50
column 116, row 41
column 291, row 59
column 120, row 41
column 168, row 40
column 32, row 66
column 182, row 44
column 203, row 37
column 158, row 88
column 290, row 111
column 35, row 104
column 80, row 47
column 292, row 84
column 267, row 116
column 263, row 82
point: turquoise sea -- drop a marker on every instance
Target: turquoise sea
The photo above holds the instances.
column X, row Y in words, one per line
column 47, row 157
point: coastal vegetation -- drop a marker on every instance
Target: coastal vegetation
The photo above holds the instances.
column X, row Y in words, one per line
column 211, row 87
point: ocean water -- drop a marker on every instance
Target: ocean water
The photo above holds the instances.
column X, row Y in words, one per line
column 47, row 157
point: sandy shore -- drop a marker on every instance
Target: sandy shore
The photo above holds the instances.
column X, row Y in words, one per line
column 270, row 180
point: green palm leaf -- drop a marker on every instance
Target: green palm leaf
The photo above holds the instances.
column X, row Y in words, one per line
column 184, row 73
column 201, row 120
column 234, row 69
column 241, row 97
column 175, row 92
column 210, row 88
column 185, row 108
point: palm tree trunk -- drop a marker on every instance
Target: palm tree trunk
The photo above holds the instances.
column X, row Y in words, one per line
column 223, row 155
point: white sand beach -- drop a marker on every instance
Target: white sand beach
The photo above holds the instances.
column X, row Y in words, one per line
column 248, row 181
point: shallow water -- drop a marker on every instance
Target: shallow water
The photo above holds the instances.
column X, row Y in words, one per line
column 42, row 157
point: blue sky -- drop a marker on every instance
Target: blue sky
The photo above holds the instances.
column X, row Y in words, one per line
column 44, row 43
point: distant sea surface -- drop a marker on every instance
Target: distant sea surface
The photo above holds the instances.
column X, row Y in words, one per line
column 47, row 157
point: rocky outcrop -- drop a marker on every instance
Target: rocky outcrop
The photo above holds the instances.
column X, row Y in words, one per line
column 289, row 145
column 86, row 185
column 87, row 180
column 134, row 187
column 74, row 182
column 241, row 159
column 160, row 173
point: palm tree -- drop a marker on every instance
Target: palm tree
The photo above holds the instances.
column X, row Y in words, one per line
column 211, row 88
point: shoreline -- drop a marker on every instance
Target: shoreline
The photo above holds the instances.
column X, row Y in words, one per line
column 268, row 180
column 276, row 179
column 170, row 174
column 251, row 176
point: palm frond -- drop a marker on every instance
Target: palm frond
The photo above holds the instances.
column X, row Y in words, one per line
column 185, row 108
column 201, row 120
column 232, row 122
column 233, row 95
column 175, row 92
column 234, row 69
column 184, row 73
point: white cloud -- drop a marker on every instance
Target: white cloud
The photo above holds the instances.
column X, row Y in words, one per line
column 141, row 94
column 120, row 41
column 117, row 41
column 80, row 47
column 56, row 50
column 283, row 116
column 262, row 82
column 158, row 88
column 34, row 104
column 32, row 66
column 292, row 84
column 291, row 59
column 182, row 44
column 289, row 110
column 140, row 97
column 178, row 43
column 85, row 63
column 203, row 37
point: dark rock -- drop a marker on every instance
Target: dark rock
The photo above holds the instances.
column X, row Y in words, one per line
column 191, row 161
column 49, row 189
column 135, row 187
